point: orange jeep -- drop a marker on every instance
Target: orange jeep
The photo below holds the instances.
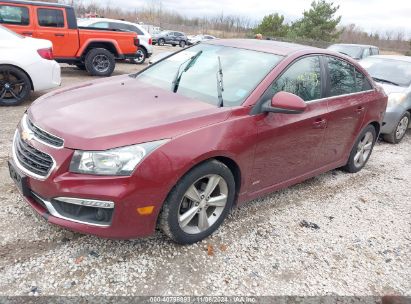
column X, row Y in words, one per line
column 92, row 49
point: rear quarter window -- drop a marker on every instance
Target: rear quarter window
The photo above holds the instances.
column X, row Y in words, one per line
column 50, row 17
column 18, row 15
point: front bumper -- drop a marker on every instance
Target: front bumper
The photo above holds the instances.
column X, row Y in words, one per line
column 128, row 193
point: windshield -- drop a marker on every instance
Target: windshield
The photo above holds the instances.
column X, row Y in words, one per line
column 242, row 70
column 6, row 34
column 350, row 50
column 395, row 71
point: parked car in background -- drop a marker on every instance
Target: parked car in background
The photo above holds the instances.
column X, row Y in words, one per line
column 356, row 51
column 393, row 73
column 215, row 143
column 90, row 49
column 194, row 39
column 145, row 49
column 171, row 37
column 26, row 64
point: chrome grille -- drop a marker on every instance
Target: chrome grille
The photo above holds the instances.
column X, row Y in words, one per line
column 45, row 136
column 31, row 159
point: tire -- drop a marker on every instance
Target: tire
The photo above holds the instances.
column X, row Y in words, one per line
column 174, row 45
column 15, row 86
column 81, row 66
column 182, row 43
column 396, row 136
column 177, row 203
column 100, row 62
column 362, row 150
column 142, row 56
column 161, row 41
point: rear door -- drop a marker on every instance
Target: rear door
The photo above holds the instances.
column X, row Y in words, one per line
column 17, row 17
column 349, row 94
column 51, row 24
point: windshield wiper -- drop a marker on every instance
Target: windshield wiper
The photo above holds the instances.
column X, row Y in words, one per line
column 220, row 84
column 191, row 61
column 386, row 81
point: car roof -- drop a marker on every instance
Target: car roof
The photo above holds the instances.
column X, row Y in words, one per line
column 393, row 57
column 268, row 46
column 93, row 20
column 354, row 44
column 37, row 3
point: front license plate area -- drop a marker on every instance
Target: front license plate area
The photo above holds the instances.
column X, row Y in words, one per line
column 19, row 179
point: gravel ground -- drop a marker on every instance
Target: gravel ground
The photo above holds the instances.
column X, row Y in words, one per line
column 334, row 234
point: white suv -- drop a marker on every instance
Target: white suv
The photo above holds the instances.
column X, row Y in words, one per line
column 146, row 43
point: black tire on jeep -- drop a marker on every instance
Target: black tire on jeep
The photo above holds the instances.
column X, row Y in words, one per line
column 100, row 62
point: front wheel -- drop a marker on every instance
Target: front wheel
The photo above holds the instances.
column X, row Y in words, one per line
column 182, row 43
column 361, row 152
column 199, row 203
column 15, row 86
column 100, row 62
column 398, row 134
column 161, row 42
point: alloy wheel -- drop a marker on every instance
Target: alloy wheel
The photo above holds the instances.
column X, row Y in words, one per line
column 402, row 128
column 101, row 63
column 364, row 149
column 11, row 86
column 202, row 204
column 140, row 56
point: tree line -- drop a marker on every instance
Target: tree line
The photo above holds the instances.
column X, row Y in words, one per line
column 318, row 26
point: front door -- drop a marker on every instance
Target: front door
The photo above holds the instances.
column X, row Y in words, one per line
column 52, row 25
column 288, row 145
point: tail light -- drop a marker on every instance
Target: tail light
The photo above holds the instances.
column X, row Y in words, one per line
column 136, row 41
column 46, row 53
column 150, row 41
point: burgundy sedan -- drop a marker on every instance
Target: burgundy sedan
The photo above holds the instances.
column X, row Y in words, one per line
column 179, row 144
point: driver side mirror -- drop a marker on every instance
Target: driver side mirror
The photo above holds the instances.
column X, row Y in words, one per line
column 285, row 103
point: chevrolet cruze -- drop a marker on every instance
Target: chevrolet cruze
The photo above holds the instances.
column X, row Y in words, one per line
column 179, row 144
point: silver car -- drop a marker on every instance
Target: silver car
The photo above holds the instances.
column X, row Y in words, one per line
column 393, row 73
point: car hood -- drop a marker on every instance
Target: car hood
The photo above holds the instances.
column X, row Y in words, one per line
column 389, row 88
column 119, row 111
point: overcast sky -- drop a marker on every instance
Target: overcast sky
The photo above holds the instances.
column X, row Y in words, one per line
column 371, row 15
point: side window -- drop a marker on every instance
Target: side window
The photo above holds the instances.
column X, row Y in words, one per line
column 361, row 82
column 366, row 53
column 50, row 17
column 374, row 51
column 102, row 25
column 118, row 26
column 342, row 77
column 18, row 15
column 303, row 79
column 135, row 29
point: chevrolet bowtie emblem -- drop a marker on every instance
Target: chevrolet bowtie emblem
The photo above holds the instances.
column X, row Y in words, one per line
column 27, row 135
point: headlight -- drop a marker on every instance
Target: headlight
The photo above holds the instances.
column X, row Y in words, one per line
column 396, row 98
column 120, row 161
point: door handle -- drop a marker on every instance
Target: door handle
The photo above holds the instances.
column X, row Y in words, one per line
column 320, row 124
column 27, row 33
column 360, row 109
column 59, row 35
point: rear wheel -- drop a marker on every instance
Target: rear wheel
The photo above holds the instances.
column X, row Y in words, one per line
column 362, row 150
column 15, row 86
column 141, row 56
column 399, row 132
column 161, row 41
column 199, row 203
column 100, row 62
